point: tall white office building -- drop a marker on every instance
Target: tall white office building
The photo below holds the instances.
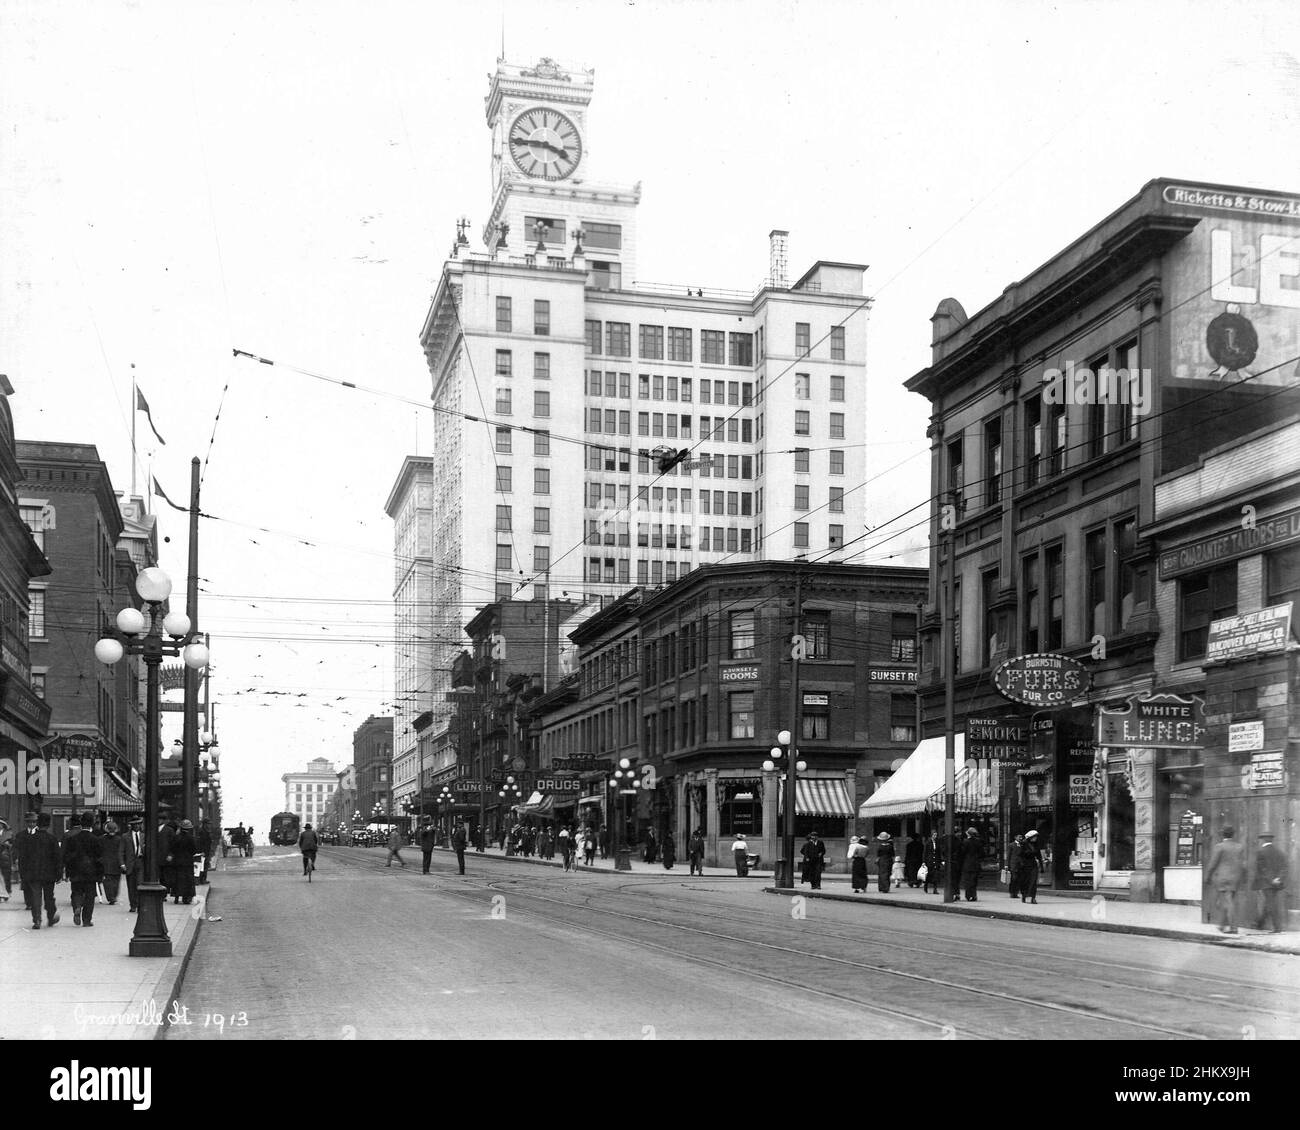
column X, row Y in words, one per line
column 581, row 376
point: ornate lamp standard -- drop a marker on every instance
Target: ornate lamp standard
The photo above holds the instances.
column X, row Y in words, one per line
column 141, row 634
column 784, row 876
column 445, row 803
column 625, row 782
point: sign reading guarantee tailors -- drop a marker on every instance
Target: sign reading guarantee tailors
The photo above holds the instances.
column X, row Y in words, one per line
column 1042, row 679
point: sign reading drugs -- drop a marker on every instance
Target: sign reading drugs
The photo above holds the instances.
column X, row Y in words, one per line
column 1157, row 721
column 1042, row 679
column 559, row 785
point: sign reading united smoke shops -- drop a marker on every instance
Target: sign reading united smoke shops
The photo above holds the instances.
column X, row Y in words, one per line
column 1042, row 679
column 1157, row 721
column 998, row 739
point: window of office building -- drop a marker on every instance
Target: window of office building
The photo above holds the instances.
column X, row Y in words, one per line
column 503, row 479
column 679, row 345
column 835, row 537
column 1203, row 598
column 542, row 403
column 541, row 443
column 1282, row 576
column 503, row 315
column 503, row 518
column 1033, row 440
column 837, row 500
column 802, row 338
column 541, row 480
column 503, row 557
column 801, row 535
column 541, row 317
column 608, row 236
column 593, row 335
column 801, row 496
column 802, row 386
column 837, row 387
column 837, row 425
column 992, row 460
column 837, row 461
column 740, row 349
column 618, row 339
column 902, row 718
column 955, row 449
column 816, row 631
column 651, row 343
column 837, row 343
column 902, row 637
column 505, row 363
column 802, row 420
column 503, row 441
column 541, row 519
column 712, row 347
column 542, row 366
column 992, row 617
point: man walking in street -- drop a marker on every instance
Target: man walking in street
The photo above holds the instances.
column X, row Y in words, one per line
column 814, row 853
column 40, row 863
column 112, row 842
column 695, row 852
column 1227, row 872
column 133, row 859
column 1270, row 881
column 459, row 841
column 394, row 847
column 83, row 862
column 428, row 837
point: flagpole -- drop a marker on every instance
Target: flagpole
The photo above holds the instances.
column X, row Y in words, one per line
column 135, row 408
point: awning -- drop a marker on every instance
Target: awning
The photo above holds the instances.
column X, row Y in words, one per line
column 973, row 790
column 590, row 800
column 913, row 787
column 1038, row 769
column 536, row 805
column 818, row 796
column 117, row 794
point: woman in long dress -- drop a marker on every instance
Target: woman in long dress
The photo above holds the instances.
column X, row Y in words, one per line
column 857, row 855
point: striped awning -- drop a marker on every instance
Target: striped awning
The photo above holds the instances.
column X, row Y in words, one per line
column 537, row 805
column 818, row 796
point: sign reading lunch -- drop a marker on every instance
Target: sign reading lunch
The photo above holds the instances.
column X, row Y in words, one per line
column 1042, row 679
column 1157, row 721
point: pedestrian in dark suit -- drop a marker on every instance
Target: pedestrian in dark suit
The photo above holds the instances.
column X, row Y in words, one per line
column 166, row 834
column 669, row 853
column 1031, row 859
column 83, row 861
column 1270, row 881
column 40, row 863
column 1227, row 872
column 933, row 860
column 651, row 845
column 6, row 860
column 428, row 837
column 133, row 859
column 695, row 852
column 112, row 843
column 814, row 851
column 969, row 855
column 913, row 857
column 884, row 861
column 460, row 840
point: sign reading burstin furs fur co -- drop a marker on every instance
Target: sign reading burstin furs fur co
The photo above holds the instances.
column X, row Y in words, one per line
column 1042, row 679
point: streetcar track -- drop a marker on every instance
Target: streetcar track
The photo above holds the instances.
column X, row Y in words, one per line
column 749, row 971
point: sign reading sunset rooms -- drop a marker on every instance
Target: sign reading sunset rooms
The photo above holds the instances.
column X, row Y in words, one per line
column 1042, row 679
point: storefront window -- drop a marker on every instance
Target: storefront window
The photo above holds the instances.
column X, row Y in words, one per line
column 1184, row 822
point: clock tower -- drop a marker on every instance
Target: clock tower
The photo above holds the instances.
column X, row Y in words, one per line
column 542, row 195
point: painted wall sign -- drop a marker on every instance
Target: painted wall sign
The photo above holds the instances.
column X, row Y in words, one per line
column 1249, row 633
column 892, row 675
column 1241, row 203
column 1042, row 679
column 1158, row 721
column 747, row 674
column 1267, row 533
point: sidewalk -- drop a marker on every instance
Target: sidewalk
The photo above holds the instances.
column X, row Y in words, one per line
column 1154, row 919
column 681, row 868
column 67, row 982
column 1161, row 920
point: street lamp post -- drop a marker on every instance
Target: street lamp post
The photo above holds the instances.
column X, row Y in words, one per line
column 445, row 803
column 143, row 635
column 624, row 783
column 784, row 876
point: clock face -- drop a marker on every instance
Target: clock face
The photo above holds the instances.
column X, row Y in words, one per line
column 544, row 144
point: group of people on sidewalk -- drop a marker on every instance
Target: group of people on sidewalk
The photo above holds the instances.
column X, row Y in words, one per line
column 94, row 858
column 1228, row 872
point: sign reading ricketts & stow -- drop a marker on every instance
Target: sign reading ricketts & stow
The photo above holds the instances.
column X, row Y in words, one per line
column 1156, row 721
column 1042, row 679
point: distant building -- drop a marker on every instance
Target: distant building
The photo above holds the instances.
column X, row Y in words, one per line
column 372, row 756
column 24, row 711
column 307, row 795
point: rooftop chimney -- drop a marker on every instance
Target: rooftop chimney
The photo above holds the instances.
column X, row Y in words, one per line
column 778, row 248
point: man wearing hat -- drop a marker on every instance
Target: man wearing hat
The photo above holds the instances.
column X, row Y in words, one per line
column 83, row 860
column 112, row 841
column 40, row 863
column 428, row 837
column 1227, row 871
column 181, row 863
column 1026, row 880
column 814, row 852
column 133, row 858
column 1270, row 881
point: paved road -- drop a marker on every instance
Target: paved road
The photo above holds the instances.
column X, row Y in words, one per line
column 368, row 952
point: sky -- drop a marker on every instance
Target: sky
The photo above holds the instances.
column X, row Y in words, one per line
column 178, row 181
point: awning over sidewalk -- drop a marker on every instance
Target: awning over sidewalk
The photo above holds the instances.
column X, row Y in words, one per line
column 538, row 804
column 818, row 796
column 915, row 785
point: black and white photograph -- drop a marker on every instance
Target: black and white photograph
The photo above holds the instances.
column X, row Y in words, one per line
column 651, row 520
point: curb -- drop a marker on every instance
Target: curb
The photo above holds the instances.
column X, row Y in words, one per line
column 1040, row 920
column 173, row 976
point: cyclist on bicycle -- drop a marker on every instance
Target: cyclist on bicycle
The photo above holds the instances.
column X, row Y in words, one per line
column 308, row 842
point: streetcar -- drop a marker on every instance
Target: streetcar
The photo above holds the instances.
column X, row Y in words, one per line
column 284, row 829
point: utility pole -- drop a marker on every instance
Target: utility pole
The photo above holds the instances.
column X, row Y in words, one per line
column 949, row 519
column 796, row 653
column 190, row 724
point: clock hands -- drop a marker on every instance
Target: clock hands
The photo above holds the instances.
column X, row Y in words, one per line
column 528, row 142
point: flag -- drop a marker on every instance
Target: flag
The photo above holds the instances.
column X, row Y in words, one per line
column 142, row 405
column 163, row 495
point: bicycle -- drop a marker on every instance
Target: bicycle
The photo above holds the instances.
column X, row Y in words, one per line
column 308, row 864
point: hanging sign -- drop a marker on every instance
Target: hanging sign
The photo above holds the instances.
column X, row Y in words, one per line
column 998, row 739
column 1157, row 721
column 1042, row 679
column 1251, row 633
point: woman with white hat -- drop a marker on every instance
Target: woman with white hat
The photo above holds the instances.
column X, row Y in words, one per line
column 884, row 861
column 1027, row 881
column 857, row 857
